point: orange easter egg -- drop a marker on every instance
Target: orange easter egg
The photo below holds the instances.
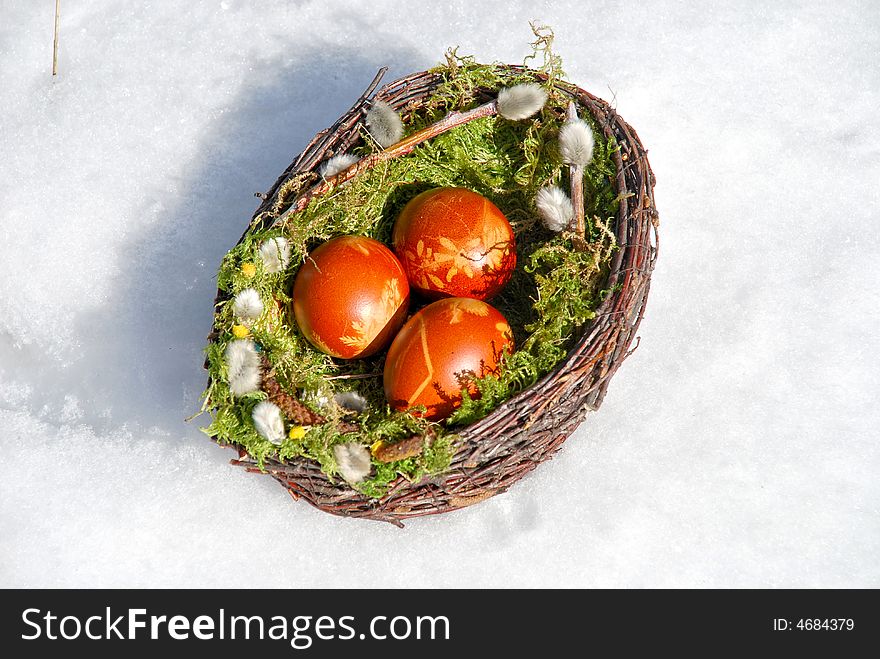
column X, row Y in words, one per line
column 440, row 351
column 350, row 297
column 453, row 242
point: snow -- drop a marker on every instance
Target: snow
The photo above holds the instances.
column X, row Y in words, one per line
column 736, row 448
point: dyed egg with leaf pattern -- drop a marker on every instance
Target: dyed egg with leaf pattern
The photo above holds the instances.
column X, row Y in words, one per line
column 440, row 351
column 453, row 242
column 350, row 297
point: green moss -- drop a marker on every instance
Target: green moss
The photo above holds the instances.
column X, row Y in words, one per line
column 554, row 291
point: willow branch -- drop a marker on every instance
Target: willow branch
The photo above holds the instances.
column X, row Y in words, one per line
column 402, row 148
column 576, row 173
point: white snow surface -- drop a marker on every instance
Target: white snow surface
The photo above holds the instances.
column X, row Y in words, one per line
column 737, row 447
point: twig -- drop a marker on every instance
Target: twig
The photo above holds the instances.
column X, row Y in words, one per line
column 402, row 148
column 359, row 376
column 375, row 83
column 55, row 44
column 576, row 173
column 450, row 121
column 514, row 103
column 317, row 146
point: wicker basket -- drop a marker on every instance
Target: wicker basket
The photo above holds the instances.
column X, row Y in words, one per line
column 529, row 428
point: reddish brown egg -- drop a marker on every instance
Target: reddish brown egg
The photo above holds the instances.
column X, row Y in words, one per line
column 350, row 296
column 453, row 242
column 440, row 350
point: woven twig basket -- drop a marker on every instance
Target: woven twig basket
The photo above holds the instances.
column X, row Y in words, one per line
column 528, row 429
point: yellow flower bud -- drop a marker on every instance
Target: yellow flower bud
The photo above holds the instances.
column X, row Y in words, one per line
column 297, row 432
column 248, row 270
column 240, row 331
